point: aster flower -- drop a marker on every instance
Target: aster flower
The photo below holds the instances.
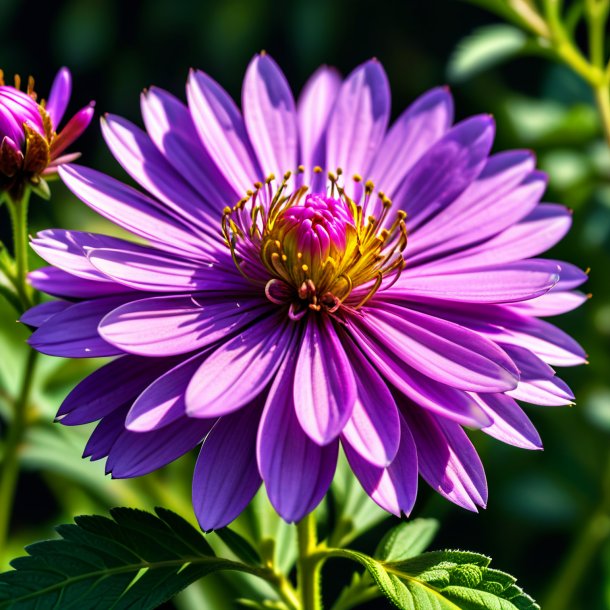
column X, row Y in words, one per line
column 311, row 279
column 31, row 145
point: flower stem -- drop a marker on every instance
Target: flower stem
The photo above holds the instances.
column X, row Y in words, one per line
column 18, row 211
column 309, row 565
column 10, row 462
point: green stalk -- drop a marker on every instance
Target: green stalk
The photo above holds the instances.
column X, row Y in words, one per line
column 309, row 565
column 18, row 211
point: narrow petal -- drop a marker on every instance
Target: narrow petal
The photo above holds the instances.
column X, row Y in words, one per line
column 36, row 316
column 62, row 284
column 394, row 488
column 325, row 388
column 105, row 434
column 505, row 283
column 510, row 424
column 270, row 116
column 72, row 131
column 359, row 119
column 109, row 388
column 237, row 371
column 226, row 475
column 314, row 107
column 143, row 268
column 442, row 350
column 447, row 460
column 422, row 124
column 170, row 126
column 373, row 430
column 552, row 303
column 222, row 131
column 297, row 472
column 137, row 453
column 141, row 159
column 446, row 170
column 163, row 401
column 131, row 210
column 73, row 332
column 61, row 89
column 167, row 325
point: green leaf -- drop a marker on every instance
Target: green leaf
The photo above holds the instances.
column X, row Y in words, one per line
column 134, row 560
column 443, row 580
column 484, row 48
column 407, row 540
column 239, row 545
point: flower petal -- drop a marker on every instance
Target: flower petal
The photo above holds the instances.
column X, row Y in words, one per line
column 297, row 472
column 359, row 119
column 61, row 89
column 270, row 116
column 62, row 284
column 220, row 386
column 226, row 475
column 421, row 125
column 167, row 325
column 36, row 316
column 373, row 430
column 313, row 109
column 73, row 332
column 222, row 131
column 325, row 388
column 394, row 488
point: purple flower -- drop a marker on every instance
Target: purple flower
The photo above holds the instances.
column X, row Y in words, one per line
column 311, row 279
column 31, row 146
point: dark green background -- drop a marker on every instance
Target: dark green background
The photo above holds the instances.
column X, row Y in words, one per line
column 540, row 503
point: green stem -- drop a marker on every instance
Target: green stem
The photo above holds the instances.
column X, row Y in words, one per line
column 309, row 565
column 18, row 211
column 602, row 97
column 10, row 462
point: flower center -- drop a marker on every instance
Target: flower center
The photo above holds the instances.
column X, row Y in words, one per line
column 315, row 251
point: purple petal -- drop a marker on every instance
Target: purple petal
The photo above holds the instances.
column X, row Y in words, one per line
column 109, row 388
column 141, row 159
column 394, row 488
column 105, row 434
column 359, row 119
column 314, row 107
column 446, row 458
column 506, row 283
column 39, row 314
column 62, row 284
column 439, row 398
column 506, row 191
column 226, row 475
column 163, row 401
column 132, row 211
column 536, row 233
column 538, row 383
column 297, row 472
column 422, row 124
column 166, row 325
column 61, row 89
column 137, row 453
column 236, row 372
column 442, row 350
column 445, row 170
column 170, row 126
column 222, row 131
column 144, row 268
column 373, row 430
column 325, row 388
column 73, row 332
column 551, row 304
column 270, row 116
column 510, row 424
column 72, row 131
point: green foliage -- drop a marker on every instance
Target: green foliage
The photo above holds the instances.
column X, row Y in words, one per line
column 485, row 48
column 134, row 560
column 445, row 580
column 407, row 540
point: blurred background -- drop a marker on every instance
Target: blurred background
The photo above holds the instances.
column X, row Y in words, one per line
column 548, row 516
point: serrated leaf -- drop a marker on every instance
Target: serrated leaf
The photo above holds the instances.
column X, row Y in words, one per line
column 134, row 560
column 484, row 48
column 443, row 580
column 407, row 540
